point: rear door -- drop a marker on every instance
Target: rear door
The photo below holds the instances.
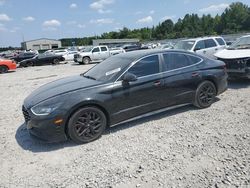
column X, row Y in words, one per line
column 181, row 77
column 104, row 52
column 96, row 54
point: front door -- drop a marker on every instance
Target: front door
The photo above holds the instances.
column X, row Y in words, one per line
column 141, row 96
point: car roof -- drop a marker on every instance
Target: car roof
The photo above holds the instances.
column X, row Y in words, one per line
column 135, row 55
column 201, row 38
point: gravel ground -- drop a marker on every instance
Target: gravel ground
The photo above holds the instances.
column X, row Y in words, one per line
column 185, row 147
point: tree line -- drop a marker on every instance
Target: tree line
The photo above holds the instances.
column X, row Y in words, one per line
column 234, row 19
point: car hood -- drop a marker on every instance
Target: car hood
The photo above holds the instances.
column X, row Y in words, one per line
column 233, row 54
column 59, row 87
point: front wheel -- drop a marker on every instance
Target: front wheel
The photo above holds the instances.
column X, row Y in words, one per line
column 86, row 125
column 86, row 60
column 205, row 94
column 56, row 61
column 3, row 69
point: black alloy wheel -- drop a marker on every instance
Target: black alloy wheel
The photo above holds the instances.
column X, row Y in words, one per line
column 86, row 125
column 29, row 64
column 205, row 94
column 3, row 69
column 56, row 61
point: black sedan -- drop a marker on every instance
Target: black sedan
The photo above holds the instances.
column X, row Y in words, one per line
column 42, row 59
column 23, row 56
column 120, row 88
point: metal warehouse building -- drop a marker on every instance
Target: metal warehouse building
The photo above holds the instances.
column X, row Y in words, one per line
column 114, row 42
column 41, row 44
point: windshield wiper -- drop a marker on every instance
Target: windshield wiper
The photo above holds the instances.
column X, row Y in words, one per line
column 89, row 77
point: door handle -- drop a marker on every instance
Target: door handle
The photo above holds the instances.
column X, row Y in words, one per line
column 157, row 83
column 216, row 49
column 204, row 51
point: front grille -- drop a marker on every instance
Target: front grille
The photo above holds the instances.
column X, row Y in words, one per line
column 26, row 114
column 235, row 63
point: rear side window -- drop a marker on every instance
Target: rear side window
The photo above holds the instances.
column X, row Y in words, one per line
column 146, row 66
column 220, row 41
column 209, row 43
column 200, row 45
column 104, row 49
column 96, row 50
column 174, row 61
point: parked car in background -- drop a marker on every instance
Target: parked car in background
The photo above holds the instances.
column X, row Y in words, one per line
column 237, row 58
column 69, row 56
column 206, row 46
column 42, row 59
column 131, row 47
column 60, row 52
column 23, row 56
column 120, row 88
column 95, row 54
column 6, row 65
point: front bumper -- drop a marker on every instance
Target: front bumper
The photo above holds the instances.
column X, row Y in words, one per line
column 43, row 127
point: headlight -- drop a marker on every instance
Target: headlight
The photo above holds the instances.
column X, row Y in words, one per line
column 44, row 109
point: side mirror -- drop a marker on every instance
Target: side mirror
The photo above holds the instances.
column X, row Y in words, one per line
column 129, row 77
column 196, row 49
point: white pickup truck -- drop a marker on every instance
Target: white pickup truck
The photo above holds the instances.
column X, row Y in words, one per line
column 95, row 54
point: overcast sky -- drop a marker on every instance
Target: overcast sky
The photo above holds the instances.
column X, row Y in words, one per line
column 32, row 19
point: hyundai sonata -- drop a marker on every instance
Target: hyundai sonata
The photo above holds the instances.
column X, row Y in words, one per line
column 119, row 89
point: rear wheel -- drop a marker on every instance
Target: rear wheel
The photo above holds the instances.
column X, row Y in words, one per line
column 56, row 61
column 205, row 94
column 86, row 60
column 29, row 64
column 3, row 69
column 86, row 125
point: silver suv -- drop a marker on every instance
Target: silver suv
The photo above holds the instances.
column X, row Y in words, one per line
column 206, row 46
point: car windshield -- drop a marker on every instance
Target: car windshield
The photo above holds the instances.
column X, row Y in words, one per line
column 242, row 43
column 184, row 45
column 88, row 49
column 108, row 69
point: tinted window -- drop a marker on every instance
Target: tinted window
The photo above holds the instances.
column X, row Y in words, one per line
column 104, row 49
column 209, row 43
column 220, row 41
column 175, row 61
column 200, row 45
column 96, row 50
column 146, row 66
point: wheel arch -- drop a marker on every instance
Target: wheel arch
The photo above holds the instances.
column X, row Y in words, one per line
column 213, row 80
column 86, row 104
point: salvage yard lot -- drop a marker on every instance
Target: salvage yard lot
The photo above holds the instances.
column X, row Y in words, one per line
column 181, row 147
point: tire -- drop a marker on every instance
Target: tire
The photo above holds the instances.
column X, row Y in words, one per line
column 86, row 125
column 29, row 64
column 56, row 61
column 85, row 60
column 205, row 95
column 3, row 69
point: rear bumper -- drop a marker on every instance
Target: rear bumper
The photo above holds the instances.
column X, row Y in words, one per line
column 12, row 66
column 222, row 85
column 241, row 73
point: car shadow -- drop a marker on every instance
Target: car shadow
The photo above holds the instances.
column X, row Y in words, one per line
column 32, row 144
column 238, row 83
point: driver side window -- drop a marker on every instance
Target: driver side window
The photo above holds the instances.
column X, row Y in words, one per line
column 96, row 50
column 146, row 66
column 200, row 45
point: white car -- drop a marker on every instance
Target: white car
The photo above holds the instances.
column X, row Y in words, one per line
column 206, row 46
column 69, row 56
column 237, row 58
column 95, row 54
